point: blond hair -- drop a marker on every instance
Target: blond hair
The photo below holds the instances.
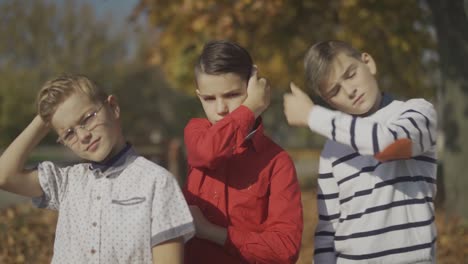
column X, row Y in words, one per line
column 319, row 58
column 55, row 91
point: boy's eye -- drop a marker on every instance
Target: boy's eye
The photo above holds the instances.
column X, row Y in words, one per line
column 68, row 135
column 351, row 75
column 88, row 119
column 208, row 98
column 334, row 92
column 231, row 95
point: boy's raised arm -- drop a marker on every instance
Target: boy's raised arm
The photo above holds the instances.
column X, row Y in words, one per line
column 411, row 134
column 206, row 144
column 13, row 176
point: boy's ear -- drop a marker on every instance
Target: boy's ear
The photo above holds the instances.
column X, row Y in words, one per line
column 369, row 61
column 114, row 105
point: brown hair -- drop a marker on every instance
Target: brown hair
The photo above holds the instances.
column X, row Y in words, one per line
column 221, row 57
column 55, row 91
column 319, row 57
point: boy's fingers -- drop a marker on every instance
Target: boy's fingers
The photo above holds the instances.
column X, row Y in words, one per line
column 295, row 90
column 253, row 78
column 254, row 72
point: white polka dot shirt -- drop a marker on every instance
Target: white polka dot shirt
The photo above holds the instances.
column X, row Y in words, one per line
column 113, row 214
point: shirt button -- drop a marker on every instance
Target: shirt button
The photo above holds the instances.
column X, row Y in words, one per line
column 93, row 251
column 94, row 224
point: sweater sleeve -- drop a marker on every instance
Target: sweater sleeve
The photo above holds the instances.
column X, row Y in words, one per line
column 329, row 212
column 411, row 134
column 207, row 144
column 280, row 240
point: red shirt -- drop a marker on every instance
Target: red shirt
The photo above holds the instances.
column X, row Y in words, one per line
column 247, row 184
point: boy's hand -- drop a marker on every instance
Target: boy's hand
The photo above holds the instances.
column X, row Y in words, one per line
column 206, row 230
column 199, row 220
column 297, row 106
column 258, row 94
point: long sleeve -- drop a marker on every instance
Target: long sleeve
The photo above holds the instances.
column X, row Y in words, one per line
column 329, row 213
column 280, row 239
column 206, row 144
column 412, row 133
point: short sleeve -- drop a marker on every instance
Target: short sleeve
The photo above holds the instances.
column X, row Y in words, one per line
column 171, row 217
column 54, row 181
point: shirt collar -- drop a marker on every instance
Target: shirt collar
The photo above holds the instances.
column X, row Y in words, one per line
column 386, row 100
column 115, row 165
column 256, row 136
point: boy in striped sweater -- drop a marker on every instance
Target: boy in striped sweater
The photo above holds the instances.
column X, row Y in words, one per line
column 377, row 174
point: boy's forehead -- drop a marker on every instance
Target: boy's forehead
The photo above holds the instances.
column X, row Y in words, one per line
column 338, row 66
column 340, row 63
column 219, row 84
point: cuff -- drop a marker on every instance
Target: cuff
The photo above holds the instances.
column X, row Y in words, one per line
column 245, row 119
column 187, row 231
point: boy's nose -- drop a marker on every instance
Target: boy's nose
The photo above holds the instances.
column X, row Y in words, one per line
column 221, row 107
column 82, row 133
column 350, row 90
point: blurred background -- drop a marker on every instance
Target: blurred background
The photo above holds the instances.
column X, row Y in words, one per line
column 144, row 51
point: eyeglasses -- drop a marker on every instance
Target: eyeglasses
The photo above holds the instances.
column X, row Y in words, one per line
column 88, row 123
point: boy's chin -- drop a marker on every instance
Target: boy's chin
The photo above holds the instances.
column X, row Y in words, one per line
column 98, row 156
column 363, row 110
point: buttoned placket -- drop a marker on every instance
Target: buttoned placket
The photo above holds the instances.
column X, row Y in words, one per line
column 99, row 198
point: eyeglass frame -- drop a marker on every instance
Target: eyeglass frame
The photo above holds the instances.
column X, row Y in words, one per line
column 81, row 125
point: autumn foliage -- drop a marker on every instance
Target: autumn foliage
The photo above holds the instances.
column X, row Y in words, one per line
column 27, row 234
column 278, row 33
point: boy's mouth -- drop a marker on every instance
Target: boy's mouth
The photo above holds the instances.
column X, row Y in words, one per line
column 93, row 146
column 358, row 99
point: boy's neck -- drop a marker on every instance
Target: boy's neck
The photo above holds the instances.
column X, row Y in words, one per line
column 121, row 147
column 116, row 164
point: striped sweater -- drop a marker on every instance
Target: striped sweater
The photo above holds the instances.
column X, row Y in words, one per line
column 377, row 181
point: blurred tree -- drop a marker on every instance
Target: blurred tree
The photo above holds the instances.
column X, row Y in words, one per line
column 39, row 40
column 450, row 20
column 153, row 111
column 278, row 33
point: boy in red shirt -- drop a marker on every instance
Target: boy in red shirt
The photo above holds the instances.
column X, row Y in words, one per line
column 242, row 187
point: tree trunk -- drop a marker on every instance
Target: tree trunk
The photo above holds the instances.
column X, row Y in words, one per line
column 451, row 24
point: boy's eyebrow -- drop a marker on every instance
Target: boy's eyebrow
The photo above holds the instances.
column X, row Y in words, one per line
column 225, row 93
column 82, row 116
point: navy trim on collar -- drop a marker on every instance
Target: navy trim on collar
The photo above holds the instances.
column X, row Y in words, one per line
column 386, row 100
column 111, row 161
column 116, row 164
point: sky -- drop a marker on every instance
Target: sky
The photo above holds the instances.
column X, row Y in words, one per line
column 119, row 10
